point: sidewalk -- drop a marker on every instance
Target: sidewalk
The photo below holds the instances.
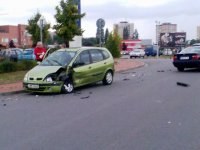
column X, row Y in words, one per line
column 120, row 65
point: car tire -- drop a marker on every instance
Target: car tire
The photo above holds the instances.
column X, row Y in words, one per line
column 108, row 78
column 67, row 87
column 131, row 57
column 180, row 69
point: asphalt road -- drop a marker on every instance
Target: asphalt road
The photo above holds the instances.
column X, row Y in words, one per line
column 144, row 109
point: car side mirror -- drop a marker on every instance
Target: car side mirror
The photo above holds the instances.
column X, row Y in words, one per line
column 78, row 64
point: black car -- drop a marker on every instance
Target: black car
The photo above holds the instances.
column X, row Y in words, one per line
column 187, row 58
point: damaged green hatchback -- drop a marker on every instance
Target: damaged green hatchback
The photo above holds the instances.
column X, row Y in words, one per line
column 66, row 69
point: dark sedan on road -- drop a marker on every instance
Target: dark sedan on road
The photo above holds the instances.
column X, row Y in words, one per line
column 187, row 58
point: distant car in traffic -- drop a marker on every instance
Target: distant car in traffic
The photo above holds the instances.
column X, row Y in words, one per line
column 28, row 54
column 124, row 52
column 137, row 53
column 167, row 52
column 187, row 58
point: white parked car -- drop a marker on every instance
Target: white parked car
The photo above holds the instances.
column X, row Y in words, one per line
column 167, row 52
column 137, row 53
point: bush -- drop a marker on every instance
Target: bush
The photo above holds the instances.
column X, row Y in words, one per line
column 113, row 45
column 27, row 64
column 8, row 66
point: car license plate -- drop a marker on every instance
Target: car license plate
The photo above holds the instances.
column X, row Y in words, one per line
column 33, row 86
column 184, row 58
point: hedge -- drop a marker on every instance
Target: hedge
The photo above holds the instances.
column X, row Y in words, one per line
column 9, row 66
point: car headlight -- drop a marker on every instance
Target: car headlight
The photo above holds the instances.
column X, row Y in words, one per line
column 49, row 79
column 26, row 77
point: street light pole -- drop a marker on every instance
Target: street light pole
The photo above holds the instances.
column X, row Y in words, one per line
column 41, row 22
column 157, row 37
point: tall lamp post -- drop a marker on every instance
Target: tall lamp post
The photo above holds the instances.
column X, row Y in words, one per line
column 157, row 37
column 41, row 23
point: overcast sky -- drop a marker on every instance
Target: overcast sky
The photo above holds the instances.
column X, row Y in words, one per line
column 143, row 13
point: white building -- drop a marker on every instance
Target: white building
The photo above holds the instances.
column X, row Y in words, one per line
column 164, row 28
column 198, row 32
column 119, row 28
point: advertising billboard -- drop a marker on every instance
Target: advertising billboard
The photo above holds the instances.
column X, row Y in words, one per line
column 177, row 39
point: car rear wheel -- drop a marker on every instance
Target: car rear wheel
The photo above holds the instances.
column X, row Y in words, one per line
column 180, row 69
column 108, row 78
column 67, row 87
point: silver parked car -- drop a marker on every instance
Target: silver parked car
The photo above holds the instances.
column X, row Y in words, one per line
column 137, row 53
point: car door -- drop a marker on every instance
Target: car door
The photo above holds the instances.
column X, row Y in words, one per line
column 82, row 70
column 99, row 64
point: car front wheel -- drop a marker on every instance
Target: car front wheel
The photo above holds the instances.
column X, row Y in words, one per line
column 108, row 78
column 67, row 87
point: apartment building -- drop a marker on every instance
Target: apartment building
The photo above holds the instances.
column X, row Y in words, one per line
column 164, row 28
column 119, row 28
column 198, row 32
column 16, row 33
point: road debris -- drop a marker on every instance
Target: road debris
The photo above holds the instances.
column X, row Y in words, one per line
column 160, row 71
column 85, row 97
column 182, row 84
column 125, row 79
column 169, row 122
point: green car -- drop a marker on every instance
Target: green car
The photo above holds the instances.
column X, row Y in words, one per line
column 66, row 69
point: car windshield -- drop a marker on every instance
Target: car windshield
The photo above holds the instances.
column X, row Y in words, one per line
column 59, row 58
column 190, row 50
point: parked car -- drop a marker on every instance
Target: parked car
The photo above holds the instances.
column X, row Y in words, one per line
column 187, row 58
column 13, row 54
column 28, row 54
column 124, row 52
column 167, row 52
column 66, row 69
column 137, row 53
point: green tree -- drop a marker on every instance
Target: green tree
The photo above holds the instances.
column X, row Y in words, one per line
column 135, row 35
column 92, row 41
column 126, row 33
column 113, row 44
column 106, row 34
column 66, row 18
column 193, row 41
column 34, row 29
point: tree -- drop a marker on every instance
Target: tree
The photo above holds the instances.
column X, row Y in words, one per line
column 89, row 41
column 34, row 29
column 113, row 44
column 193, row 41
column 66, row 17
column 135, row 35
column 125, row 33
column 106, row 34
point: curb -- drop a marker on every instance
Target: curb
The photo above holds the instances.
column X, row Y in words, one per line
column 22, row 91
column 143, row 64
column 11, row 93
